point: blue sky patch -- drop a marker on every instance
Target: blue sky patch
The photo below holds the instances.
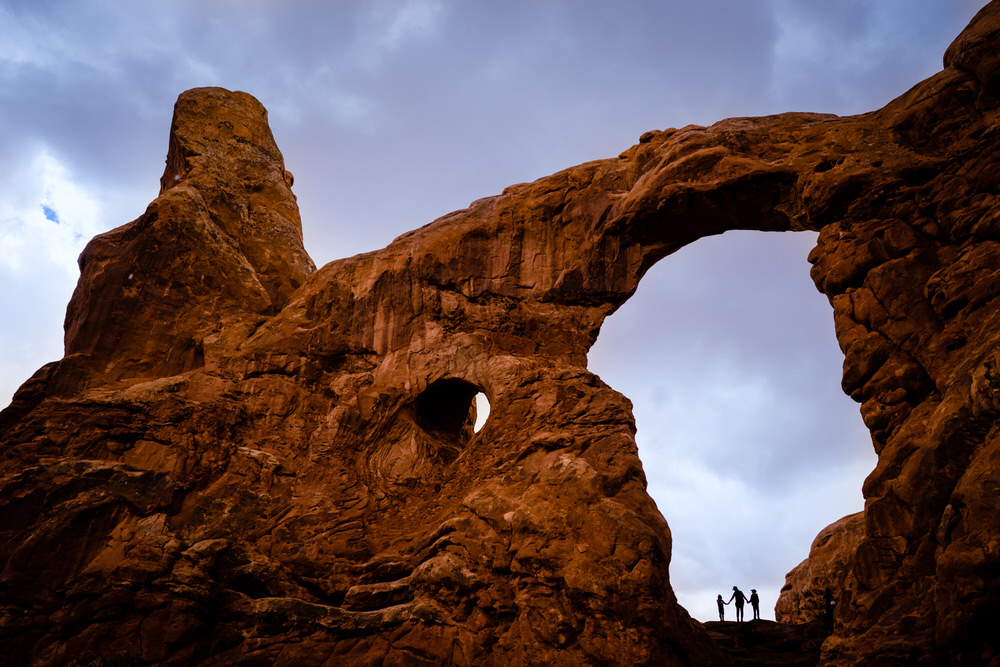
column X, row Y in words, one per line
column 50, row 214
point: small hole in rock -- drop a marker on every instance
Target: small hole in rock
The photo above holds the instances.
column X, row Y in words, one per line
column 447, row 409
column 482, row 411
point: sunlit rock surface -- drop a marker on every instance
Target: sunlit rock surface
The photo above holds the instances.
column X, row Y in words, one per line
column 244, row 460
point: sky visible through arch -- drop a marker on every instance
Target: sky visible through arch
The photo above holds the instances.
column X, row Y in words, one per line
column 728, row 354
column 393, row 113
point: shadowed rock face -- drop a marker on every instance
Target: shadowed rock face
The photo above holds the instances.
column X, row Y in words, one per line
column 242, row 459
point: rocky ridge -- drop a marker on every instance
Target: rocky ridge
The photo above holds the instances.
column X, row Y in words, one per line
column 245, row 460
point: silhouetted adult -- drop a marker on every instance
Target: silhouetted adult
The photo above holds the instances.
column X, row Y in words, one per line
column 722, row 607
column 828, row 604
column 755, row 603
column 740, row 600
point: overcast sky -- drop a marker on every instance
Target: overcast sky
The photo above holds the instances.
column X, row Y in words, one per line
column 391, row 114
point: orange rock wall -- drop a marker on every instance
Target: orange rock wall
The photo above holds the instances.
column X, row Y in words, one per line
column 245, row 460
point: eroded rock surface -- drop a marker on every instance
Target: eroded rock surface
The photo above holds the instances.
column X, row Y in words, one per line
column 244, row 460
column 829, row 562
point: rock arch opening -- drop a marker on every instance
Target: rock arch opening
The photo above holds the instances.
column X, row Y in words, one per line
column 750, row 448
column 449, row 409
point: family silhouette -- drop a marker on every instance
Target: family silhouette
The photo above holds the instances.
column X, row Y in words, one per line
column 740, row 598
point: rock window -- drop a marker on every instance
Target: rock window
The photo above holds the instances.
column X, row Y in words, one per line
column 447, row 409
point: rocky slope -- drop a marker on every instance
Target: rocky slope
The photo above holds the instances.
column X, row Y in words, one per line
column 245, row 460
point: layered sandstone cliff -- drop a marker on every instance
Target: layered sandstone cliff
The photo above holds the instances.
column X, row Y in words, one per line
column 242, row 459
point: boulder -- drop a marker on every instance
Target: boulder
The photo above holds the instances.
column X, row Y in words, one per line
column 827, row 567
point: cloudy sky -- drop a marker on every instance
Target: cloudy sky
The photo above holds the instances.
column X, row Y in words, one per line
column 392, row 114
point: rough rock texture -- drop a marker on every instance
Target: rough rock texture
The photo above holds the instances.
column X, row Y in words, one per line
column 243, row 460
column 828, row 564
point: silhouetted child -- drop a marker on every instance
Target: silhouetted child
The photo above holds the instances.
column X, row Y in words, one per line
column 722, row 608
column 740, row 600
column 755, row 603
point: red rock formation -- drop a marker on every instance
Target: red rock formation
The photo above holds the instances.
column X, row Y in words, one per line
column 829, row 562
column 243, row 460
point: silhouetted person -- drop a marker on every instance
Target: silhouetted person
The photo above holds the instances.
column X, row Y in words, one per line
column 722, row 607
column 740, row 600
column 828, row 604
column 755, row 603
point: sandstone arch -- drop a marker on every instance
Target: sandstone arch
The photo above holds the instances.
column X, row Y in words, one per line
column 220, row 468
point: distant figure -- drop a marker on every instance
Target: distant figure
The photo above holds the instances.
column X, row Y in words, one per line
column 755, row 603
column 722, row 608
column 740, row 600
column 828, row 605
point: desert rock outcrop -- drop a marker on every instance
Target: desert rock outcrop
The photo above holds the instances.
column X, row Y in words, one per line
column 245, row 460
column 829, row 562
